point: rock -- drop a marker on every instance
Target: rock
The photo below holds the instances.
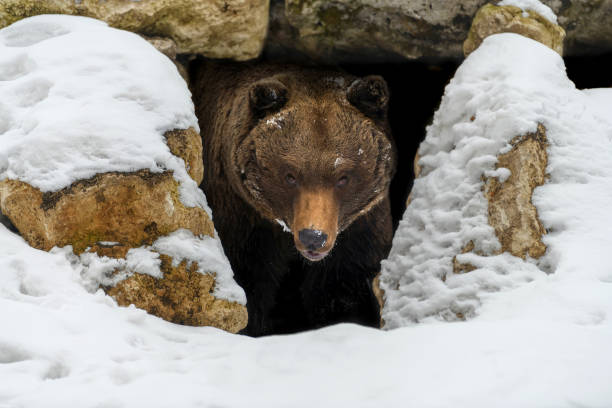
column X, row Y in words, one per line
column 112, row 213
column 183, row 296
column 587, row 24
column 101, row 173
column 492, row 19
column 511, row 212
column 379, row 293
column 233, row 29
column 393, row 30
column 7, row 223
column 187, row 144
column 472, row 227
column 368, row 30
column 98, row 209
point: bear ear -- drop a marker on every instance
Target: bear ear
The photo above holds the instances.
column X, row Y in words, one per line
column 267, row 95
column 370, row 95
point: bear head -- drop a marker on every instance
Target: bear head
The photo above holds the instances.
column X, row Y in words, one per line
column 316, row 154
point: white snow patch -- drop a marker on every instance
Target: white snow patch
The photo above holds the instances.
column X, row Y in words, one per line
column 501, row 174
column 533, row 5
column 80, row 98
column 507, row 97
column 276, row 121
column 283, row 224
column 108, row 243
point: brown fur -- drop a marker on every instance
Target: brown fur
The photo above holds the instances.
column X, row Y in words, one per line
column 319, row 135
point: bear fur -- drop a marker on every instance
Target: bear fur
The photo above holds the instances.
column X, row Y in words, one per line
column 297, row 167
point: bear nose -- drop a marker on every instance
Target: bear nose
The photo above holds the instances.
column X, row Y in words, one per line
column 312, row 239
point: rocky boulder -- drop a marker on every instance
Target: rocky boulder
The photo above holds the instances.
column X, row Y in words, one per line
column 233, row 29
column 369, row 31
column 492, row 19
column 85, row 162
column 473, row 225
column 393, row 30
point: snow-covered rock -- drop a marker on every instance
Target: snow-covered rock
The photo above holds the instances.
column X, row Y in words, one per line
column 513, row 188
column 99, row 151
column 530, row 18
column 233, row 29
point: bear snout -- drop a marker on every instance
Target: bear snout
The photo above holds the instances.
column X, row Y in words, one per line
column 312, row 239
column 315, row 223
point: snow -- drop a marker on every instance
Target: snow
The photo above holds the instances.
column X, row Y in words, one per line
column 533, row 5
column 539, row 333
column 276, row 121
column 76, row 89
column 61, row 345
column 283, row 225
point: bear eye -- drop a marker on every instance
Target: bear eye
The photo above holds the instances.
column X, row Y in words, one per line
column 290, row 179
column 342, row 181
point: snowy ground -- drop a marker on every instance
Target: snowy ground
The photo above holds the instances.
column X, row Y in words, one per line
column 62, row 346
column 538, row 342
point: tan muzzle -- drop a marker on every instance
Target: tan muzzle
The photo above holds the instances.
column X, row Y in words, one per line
column 315, row 222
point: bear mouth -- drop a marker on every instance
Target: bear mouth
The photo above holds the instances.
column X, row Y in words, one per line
column 314, row 256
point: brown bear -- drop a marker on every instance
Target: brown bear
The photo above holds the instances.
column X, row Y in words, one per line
column 297, row 166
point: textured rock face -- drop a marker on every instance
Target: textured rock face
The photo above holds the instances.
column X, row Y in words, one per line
column 349, row 30
column 187, row 144
column 587, row 24
column 182, row 296
column 388, row 30
column 492, row 19
column 233, row 29
column 131, row 208
column 511, row 212
column 113, row 212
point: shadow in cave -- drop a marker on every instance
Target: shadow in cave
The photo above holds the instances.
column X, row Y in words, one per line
column 590, row 71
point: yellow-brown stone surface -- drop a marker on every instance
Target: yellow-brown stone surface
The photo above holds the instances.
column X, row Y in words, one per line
column 182, row 296
column 233, row 29
column 417, row 171
column 133, row 209
column 380, row 295
column 459, row 267
column 511, row 212
column 492, row 19
column 130, row 208
column 187, row 144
